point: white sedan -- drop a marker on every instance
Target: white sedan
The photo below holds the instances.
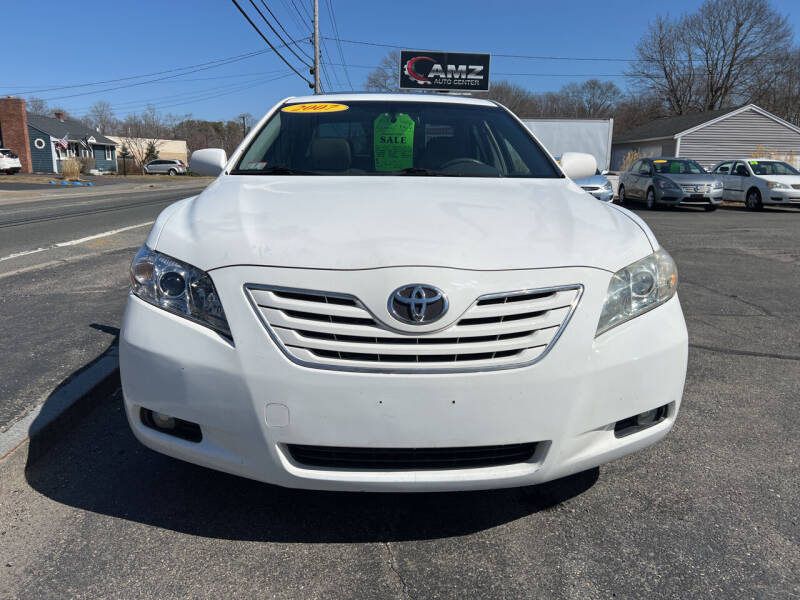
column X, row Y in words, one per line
column 758, row 182
column 9, row 162
column 399, row 293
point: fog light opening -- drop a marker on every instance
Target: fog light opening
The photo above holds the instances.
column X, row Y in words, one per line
column 185, row 430
column 641, row 421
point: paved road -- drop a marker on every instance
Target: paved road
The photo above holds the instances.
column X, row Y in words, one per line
column 61, row 305
column 711, row 512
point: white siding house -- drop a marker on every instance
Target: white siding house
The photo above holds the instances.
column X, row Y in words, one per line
column 713, row 136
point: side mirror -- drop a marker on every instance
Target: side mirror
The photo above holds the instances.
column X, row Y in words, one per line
column 577, row 165
column 210, row 161
column 604, row 172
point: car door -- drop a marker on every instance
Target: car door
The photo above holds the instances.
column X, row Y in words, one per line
column 739, row 181
column 723, row 173
column 629, row 178
column 643, row 179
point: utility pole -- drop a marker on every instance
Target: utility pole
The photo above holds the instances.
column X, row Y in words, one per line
column 244, row 127
column 317, row 89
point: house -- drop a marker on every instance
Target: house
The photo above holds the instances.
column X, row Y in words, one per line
column 46, row 151
column 36, row 140
column 709, row 137
column 176, row 149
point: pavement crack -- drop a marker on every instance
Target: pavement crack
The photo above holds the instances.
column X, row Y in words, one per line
column 395, row 569
column 733, row 352
column 758, row 307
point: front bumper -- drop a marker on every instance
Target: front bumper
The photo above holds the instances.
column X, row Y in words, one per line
column 782, row 196
column 673, row 197
column 251, row 401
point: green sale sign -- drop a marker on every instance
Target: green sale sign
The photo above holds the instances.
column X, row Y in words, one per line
column 393, row 142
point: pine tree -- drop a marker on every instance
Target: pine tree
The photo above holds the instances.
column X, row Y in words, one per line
column 151, row 153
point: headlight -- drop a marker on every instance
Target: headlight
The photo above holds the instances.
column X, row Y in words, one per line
column 717, row 185
column 606, row 186
column 177, row 287
column 637, row 288
column 777, row 185
column 665, row 183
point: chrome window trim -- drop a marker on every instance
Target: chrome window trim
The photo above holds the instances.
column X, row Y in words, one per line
column 404, row 371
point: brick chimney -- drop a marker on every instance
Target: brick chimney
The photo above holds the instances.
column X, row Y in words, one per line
column 14, row 130
column 59, row 115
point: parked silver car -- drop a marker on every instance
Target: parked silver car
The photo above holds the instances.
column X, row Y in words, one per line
column 598, row 186
column 669, row 182
column 165, row 166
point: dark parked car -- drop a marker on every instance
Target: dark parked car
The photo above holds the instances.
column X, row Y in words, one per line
column 669, row 182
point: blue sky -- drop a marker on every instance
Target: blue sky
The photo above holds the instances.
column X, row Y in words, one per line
column 88, row 41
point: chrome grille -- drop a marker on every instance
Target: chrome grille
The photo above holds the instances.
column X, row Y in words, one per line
column 336, row 331
column 696, row 189
column 591, row 188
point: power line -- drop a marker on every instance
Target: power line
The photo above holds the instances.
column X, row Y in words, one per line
column 338, row 42
column 289, row 35
column 183, row 94
column 217, row 62
column 278, row 35
column 526, row 56
column 253, row 25
column 297, row 18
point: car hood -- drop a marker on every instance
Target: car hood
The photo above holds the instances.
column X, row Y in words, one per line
column 688, row 178
column 371, row 222
column 787, row 179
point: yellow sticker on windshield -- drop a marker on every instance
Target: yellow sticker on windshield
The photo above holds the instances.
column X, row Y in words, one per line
column 315, row 107
column 659, row 161
column 753, row 162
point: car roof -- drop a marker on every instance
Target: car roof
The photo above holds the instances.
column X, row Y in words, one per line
column 383, row 97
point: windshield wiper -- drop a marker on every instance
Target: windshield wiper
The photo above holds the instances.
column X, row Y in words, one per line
column 273, row 170
column 420, row 171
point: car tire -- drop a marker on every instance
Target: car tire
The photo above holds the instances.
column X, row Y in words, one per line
column 753, row 200
column 172, row 172
column 651, row 199
column 621, row 195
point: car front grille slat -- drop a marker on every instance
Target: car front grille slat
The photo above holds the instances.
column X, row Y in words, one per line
column 413, row 459
column 334, row 330
column 696, row 189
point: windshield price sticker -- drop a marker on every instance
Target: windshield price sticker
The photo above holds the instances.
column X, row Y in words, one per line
column 659, row 161
column 393, row 142
column 753, row 162
column 315, row 107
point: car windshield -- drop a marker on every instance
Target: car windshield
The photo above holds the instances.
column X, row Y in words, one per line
column 677, row 167
column 761, row 167
column 394, row 138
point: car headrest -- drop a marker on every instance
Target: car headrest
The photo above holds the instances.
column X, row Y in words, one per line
column 330, row 154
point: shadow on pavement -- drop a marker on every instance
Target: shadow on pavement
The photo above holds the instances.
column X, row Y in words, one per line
column 100, row 467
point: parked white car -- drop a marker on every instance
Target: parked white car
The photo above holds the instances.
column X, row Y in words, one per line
column 9, row 162
column 759, row 181
column 396, row 292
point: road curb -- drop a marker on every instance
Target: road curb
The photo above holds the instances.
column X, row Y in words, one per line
column 49, row 421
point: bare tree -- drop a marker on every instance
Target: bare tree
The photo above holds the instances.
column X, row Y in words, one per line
column 710, row 59
column 385, row 78
column 145, row 132
column 38, row 107
column 101, row 117
column 592, row 99
column 516, row 98
column 777, row 87
column 665, row 65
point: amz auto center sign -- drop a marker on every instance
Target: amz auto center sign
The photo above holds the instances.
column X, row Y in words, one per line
column 423, row 70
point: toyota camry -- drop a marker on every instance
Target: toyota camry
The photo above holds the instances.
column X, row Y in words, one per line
column 399, row 293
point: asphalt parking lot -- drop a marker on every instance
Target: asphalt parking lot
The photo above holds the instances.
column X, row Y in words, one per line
column 710, row 512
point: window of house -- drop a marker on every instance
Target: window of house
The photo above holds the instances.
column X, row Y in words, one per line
column 109, row 152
